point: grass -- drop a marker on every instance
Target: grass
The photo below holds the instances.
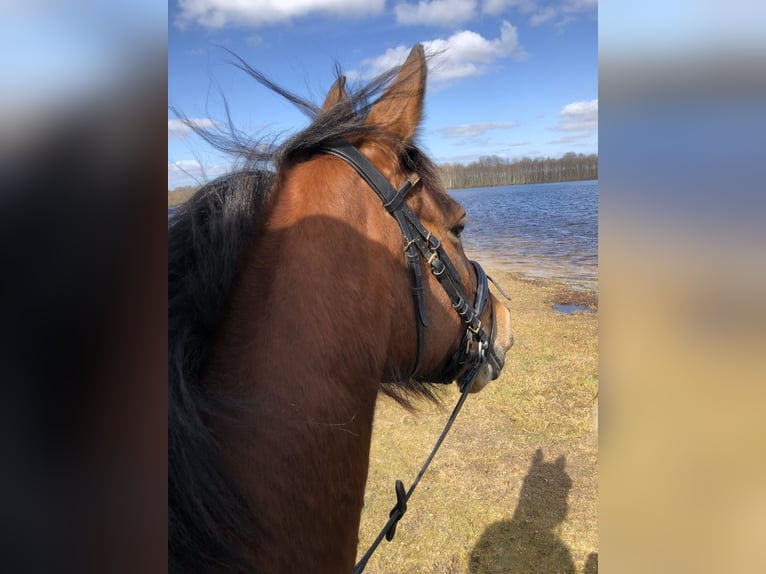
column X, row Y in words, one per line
column 487, row 504
column 179, row 196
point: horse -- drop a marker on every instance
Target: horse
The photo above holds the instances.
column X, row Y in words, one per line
column 295, row 298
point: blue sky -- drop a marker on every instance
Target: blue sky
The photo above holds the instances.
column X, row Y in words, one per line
column 514, row 78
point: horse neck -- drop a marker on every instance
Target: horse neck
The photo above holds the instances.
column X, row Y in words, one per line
column 305, row 348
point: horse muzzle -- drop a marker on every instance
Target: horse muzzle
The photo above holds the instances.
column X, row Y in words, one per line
column 501, row 344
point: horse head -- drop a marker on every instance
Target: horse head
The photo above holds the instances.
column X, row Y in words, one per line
column 425, row 339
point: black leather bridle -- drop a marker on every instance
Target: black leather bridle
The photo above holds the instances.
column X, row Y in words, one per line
column 476, row 347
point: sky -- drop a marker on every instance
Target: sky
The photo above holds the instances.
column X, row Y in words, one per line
column 512, row 78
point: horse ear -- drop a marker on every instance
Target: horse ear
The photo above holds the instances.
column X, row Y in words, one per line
column 336, row 94
column 400, row 108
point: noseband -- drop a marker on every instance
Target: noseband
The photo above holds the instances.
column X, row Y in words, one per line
column 476, row 347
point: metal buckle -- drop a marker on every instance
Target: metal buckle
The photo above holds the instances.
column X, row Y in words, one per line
column 477, row 329
column 475, row 350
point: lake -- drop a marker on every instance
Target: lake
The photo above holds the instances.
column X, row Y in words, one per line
column 542, row 230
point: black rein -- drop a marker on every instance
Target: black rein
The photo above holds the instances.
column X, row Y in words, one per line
column 476, row 347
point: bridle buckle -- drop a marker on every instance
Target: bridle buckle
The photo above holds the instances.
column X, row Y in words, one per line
column 475, row 350
column 475, row 330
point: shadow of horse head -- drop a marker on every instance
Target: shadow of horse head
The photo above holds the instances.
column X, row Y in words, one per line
column 527, row 543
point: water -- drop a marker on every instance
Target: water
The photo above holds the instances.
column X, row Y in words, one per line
column 544, row 230
column 570, row 309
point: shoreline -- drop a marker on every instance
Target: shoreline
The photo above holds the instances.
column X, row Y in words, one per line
column 561, row 292
column 451, row 189
column 573, row 283
column 180, row 194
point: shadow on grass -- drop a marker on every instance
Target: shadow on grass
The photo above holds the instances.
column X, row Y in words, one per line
column 527, row 543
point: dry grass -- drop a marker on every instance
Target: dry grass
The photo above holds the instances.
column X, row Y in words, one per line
column 484, row 506
column 179, row 196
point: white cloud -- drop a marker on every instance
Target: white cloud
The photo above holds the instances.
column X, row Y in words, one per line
column 572, row 139
column 580, row 5
column 192, row 172
column 473, row 130
column 220, row 13
column 578, row 121
column 462, row 55
column 379, row 64
column 578, row 116
column 544, row 15
column 435, row 12
column 179, row 130
column 184, row 172
column 559, row 13
column 497, row 7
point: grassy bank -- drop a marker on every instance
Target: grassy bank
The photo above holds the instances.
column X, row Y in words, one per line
column 179, row 196
column 514, row 487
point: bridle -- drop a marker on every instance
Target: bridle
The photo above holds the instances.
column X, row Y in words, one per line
column 476, row 347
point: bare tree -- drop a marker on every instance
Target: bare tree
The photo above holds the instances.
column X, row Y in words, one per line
column 494, row 170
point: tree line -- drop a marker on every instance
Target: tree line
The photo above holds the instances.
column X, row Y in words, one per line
column 494, row 170
column 489, row 171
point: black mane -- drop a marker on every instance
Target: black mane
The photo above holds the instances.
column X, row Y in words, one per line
column 207, row 237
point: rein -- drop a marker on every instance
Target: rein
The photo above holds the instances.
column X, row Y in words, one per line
column 401, row 497
column 476, row 347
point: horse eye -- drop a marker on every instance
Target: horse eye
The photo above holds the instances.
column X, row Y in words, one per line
column 457, row 229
